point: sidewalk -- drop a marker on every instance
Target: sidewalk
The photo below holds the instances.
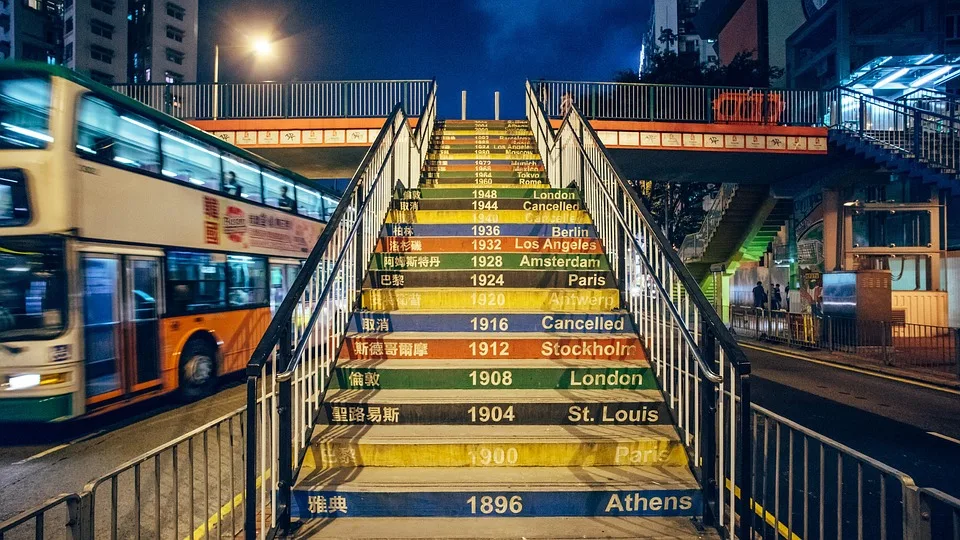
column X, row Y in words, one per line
column 850, row 360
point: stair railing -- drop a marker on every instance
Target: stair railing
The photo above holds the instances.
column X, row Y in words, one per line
column 929, row 137
column 695, row 244
column 291, row 368
column 701, row 370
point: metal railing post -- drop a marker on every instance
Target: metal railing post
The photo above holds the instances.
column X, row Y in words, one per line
column 917, row 133
column 496, row 105
column 863, row 116
column 745, row 449
column 916, row 515
column 284, row 429
column 80, row 518
column 361, row 194
column 708, row 434
column 250, row 490
column 463, row 104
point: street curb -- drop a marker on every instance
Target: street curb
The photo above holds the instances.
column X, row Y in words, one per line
column 875, row 371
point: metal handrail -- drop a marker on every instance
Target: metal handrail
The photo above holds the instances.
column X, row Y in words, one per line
column 707, row 370
column 696, row 243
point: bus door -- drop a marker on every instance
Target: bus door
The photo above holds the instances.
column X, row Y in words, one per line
column 121, row 323
column 282, row 274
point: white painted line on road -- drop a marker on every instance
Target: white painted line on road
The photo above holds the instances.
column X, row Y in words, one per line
column 944, row 437
column 57, row 448
column 853, row 369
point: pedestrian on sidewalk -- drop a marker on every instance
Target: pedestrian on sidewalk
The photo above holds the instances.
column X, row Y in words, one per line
column 759, row 296
column 776, row 301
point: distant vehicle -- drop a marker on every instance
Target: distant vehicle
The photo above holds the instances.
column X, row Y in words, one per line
column 138, row 255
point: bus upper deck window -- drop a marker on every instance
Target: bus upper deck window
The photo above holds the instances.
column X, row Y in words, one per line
column 24, row 112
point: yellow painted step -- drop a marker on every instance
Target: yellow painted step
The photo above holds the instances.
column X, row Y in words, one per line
column 500, row 300
column 488, row 216
column 494, row 446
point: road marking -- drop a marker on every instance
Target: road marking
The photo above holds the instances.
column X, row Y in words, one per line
column 853, row 369
column 224, row 511
column 944, row 437
column 57, row 448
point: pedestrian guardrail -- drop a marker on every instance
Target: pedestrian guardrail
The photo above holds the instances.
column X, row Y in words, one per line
column 681, row 103
column 930, row 350
column 701, row 369
column 314, row 99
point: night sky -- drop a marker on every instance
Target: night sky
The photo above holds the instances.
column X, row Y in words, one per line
column 474, row 45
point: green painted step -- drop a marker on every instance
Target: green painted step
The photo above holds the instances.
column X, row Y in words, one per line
column 479, row 261
column 479, row 375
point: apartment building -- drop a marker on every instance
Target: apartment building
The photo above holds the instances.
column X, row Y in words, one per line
column 30, row 30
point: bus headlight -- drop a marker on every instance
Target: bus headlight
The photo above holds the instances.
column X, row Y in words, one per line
column 30, row 380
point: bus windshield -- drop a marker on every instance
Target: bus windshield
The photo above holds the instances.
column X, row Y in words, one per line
column 24, row 111
column 32, row 288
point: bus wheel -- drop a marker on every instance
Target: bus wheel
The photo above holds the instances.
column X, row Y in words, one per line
column 198, row 370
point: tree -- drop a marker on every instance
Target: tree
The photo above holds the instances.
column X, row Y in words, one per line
column 677, row 206
column 668, row 38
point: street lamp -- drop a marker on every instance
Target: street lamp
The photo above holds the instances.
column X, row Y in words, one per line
column 261, row 47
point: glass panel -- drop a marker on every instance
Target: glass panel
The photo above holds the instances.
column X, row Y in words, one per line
column 24, row 111
column 189, row 160
column 248, row 280
column 195, row 282
column 14, row 202
column 241, row 178
column 146, row 322
column 109, row 134
column 100, row 324
column 309, row 202
column 885, row 228
column 277, row 286
column 33, row 288
column 278, row 192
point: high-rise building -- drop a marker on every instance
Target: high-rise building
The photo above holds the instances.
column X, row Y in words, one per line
column 671, row 29
column 30, row 30
column 136, row 41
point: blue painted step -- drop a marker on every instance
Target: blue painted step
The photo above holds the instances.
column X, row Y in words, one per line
column 591, row 323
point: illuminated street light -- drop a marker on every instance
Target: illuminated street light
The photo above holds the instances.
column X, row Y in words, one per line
column 261, row 47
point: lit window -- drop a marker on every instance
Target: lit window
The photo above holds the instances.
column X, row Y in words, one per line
column 172, row 77
column 116, row 137
column 189, row 160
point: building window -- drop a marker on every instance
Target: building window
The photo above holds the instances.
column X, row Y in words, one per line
column 175, row 56
column 5, row 22
column 196, row 282
column 175, row 34
column 101, row 77
column 4, row 49
column 175, row 11
column 102, row 54
column 32, row 4
column 101, row 29
column 67, row 4
column 106, row 6
column 68, row 52
column 172, row 77
column 951, row 32
column 68, row 25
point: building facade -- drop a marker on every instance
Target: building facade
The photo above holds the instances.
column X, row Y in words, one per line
column 163, row 41
column 31, row 30
column 671, row 29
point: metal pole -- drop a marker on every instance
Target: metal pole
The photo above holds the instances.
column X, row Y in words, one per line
column 216, row 80
column 708, row 434
column 463, row 105
column 250, row 510
column 496, row 105
column 284, row 430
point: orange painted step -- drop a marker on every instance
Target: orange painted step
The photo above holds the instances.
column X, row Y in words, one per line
column 391, row 346
column 503, row 244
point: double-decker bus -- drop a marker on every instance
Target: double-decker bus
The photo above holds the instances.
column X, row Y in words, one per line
column 138, row 255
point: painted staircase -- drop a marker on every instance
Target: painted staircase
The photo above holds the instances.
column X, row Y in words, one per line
column 490, row 386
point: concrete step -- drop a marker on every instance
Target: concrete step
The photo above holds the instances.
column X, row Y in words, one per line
column 493, row 446
column 496, row 407
column 477, row 374
column 518, row 279
column 494, row 348
column 460, row 300
column 486, row 321
column 543, row 230
column 497, row 492
column 558, row 528
column 488, row 261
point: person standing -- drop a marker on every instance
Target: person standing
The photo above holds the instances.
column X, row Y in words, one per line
column 759, row 296
column 776, row 299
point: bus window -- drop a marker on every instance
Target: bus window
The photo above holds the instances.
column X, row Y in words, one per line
column 279, row 192
column 247, row 285
column 195, row 282
column 189, row 160
column 309, row 202
column 24, row 113
column 240, row 175
column 107, row 133
column 33, row 288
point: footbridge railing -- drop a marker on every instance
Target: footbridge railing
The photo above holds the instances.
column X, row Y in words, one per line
column 694, row 245
column 681, row 103
column 314, row 99
column 701, row 369
column 289, row 372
